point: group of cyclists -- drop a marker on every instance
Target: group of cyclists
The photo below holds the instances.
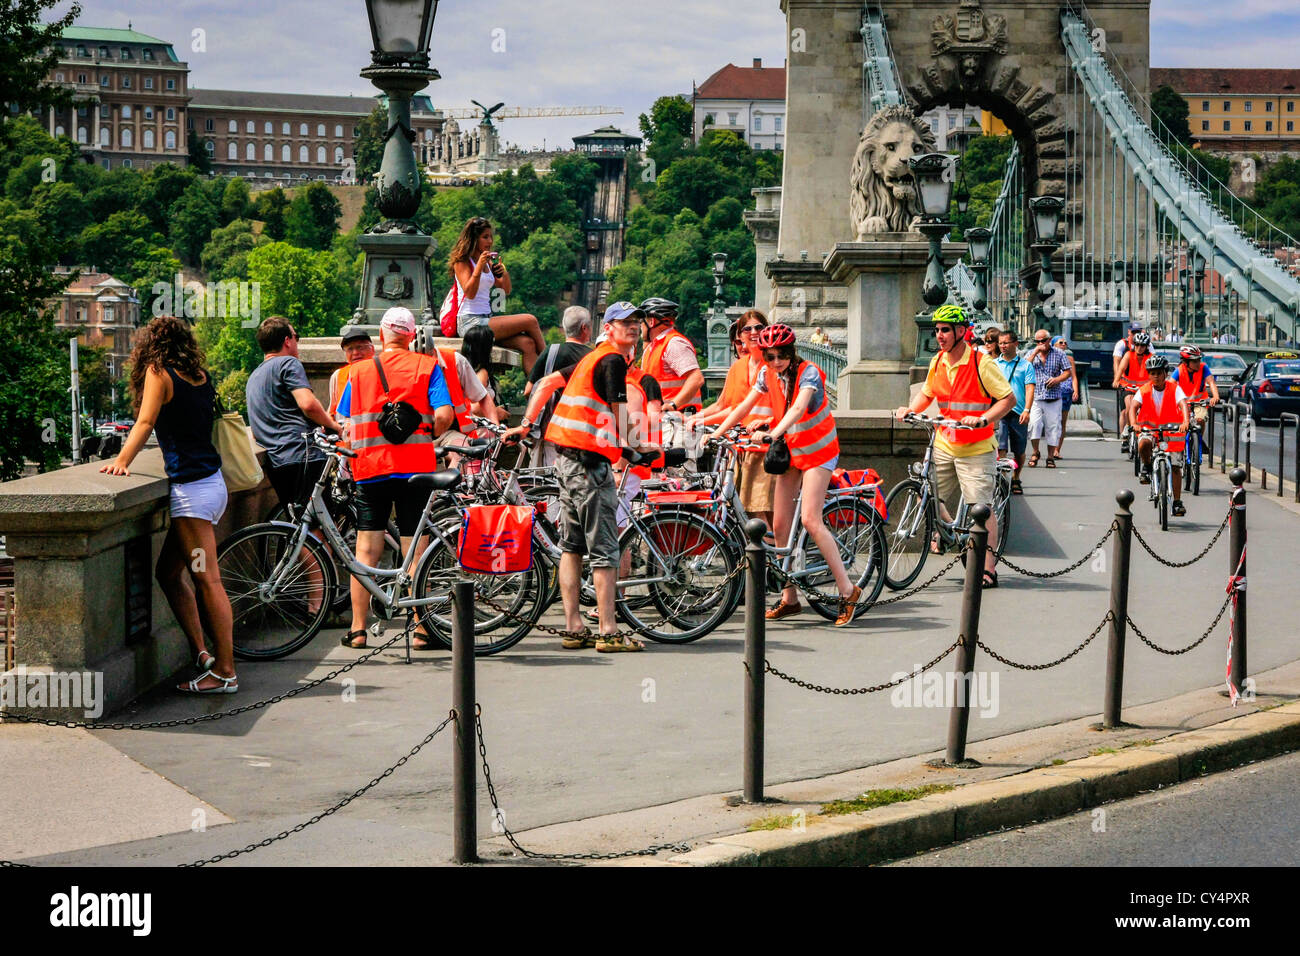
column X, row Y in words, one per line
column 1162, row 404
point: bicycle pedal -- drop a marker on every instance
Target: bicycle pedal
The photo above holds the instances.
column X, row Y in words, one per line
column 376, row 629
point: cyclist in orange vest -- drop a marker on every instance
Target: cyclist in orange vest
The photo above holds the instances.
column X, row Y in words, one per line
column 1132, row 371
column 1161, row 402
column 1197, row 382
column 798, row 390
column 670, row 357
column 383, row 464
column 970, row 388
column 591, row 433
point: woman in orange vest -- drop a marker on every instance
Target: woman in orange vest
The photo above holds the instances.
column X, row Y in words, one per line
column 799, row 389
column 1132, row 373
column 755, row 484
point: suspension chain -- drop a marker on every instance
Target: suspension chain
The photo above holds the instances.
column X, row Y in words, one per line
column 767, row 666
column 500, row 819
column 1106, row 619
column 1114, row 526
column 1182, row 564
column 1208, row 631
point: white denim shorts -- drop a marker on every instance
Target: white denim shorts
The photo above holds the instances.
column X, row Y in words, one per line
column 205, row 498
column 466, row 322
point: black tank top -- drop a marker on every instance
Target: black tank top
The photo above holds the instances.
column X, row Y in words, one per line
column 184, row 430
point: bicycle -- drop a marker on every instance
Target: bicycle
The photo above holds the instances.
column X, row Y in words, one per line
column 278, row 575
column 914, row 523
column 1198, row 410
column 1161, row 468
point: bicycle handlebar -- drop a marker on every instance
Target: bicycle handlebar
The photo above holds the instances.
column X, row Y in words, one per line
column 335, row 447
column 937, row 422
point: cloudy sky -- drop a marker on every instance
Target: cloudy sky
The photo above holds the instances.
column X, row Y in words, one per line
column 618, row 53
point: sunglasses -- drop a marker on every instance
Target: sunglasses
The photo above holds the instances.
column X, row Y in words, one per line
column 943, row 330
column 751, row 329
column 1042, row 341
column 773, row 357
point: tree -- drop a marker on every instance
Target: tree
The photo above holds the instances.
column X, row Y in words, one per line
column 543, row 266
column 110, row 245
column 695, row 183
column 200, row 158
column 668, row 130
column 270, row 208
column 313, row 217
column 1171, row 109
column 235, row 201
column 226, row 254
column 577, row 176
column 193, row 217
column 28, row 52
column 163, row 188
column 368, row 147
column 520, row 203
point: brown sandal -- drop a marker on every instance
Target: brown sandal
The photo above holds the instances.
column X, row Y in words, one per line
column 1033, row 460
column 783, row 610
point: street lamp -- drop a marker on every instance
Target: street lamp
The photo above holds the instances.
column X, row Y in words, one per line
column 1117, row 278
column 719, row 340
column 1013, row 303
column 933, row 175
column 980, row 240
column 719, row 275
column 1198, row 276
column 397, row 253
column 1046, row 213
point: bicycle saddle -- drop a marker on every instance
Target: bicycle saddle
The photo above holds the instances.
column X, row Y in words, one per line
column 444, row 480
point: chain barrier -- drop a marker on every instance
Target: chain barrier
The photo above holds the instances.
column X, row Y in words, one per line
column 500, row 819
column 1182, row 564
column 1114, row 526
column 921, row 587
column 188, row 721
column 1106, row 619
column 1208, row 631
column 849, row 691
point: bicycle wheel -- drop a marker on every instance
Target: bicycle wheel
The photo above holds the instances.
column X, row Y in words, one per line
column 861, row 538
column 270, row 625
column 1162, row 496
column 520, row 595
column 684, row 565
column 908, row 531
column 1002, row 508
column 1193, row 465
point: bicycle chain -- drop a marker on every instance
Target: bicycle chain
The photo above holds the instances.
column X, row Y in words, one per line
column 850, row 691
column 1114, row 526
column 188, row 721
column 500, row 819
column 1106, row 619
column 1183, row 564
column 1208, row 631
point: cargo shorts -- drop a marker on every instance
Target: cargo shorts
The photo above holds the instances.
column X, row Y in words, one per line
column 589, row 511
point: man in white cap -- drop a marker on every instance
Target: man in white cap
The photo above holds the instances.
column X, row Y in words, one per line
column 388, row 456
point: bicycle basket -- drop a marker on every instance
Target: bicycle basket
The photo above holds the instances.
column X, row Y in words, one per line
column 496, row 539
column 660, row 499
column 864, row 479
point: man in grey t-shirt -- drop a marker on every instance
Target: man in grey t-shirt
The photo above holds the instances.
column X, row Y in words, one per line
column 281, row 406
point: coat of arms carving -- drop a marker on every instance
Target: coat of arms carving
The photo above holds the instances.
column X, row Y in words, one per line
column 969, row 37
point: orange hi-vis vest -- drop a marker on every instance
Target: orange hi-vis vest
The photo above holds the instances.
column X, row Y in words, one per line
column 1166, row 412
column 963, row 395
column 447, row 359
column 408, row 375
column 338, row 393
column 812, row 440
column 737, row 388
column 653, row 430
column 652, row 363
column 1137, row 370
column 1193, row 383
column 582, row 419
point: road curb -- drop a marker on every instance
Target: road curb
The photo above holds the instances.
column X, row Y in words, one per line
column 904, row 829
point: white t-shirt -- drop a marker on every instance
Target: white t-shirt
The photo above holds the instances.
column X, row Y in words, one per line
column 1120, row 348
column 470, row 385
column 481, row 304
column 1159, row 395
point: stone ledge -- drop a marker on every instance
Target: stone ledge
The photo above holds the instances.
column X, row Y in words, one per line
column 83, row 490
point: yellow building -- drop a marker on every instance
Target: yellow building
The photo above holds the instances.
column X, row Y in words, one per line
column 1238, row 109
column 993, row 126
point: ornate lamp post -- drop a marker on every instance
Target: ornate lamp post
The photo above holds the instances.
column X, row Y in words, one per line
column 1198, row 303
column 980, row 240
column 719, row 329
column 1013, row 304
column 1046, row 213
column 397, row 253
column 719, row 276
column 1117, row 278
column 933, row 176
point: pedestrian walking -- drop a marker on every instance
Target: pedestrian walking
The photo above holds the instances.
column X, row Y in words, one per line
column 989, row 344
column 576, row 325
column 1013, row 428
column 1069, row 390
column 173, row 394
column 477, row 270
column 1050, row 370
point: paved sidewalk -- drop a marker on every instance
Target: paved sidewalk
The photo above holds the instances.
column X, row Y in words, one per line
column 580, row 736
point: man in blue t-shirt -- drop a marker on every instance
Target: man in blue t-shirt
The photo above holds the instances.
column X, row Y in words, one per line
column 1013, row 429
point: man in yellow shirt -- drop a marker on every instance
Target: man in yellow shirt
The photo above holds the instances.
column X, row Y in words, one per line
column 970, row 388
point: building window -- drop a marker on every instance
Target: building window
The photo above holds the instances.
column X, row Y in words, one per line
column 267, row 128
column 81, row 135
column 354, row 132
column 1268, row 106
column 105, row 137
column 103, row 53
column 1205, row 106
column 284, row 129
column 250, row 151
column 1247, row 126
column 1290, row 126
column 126, row 164
column 128, row 138
column 171, row 84
column 232, row 127
column 338, row 155
column 320, row 129
column 148, row 82
column 1250, row 105
column 171, row 114
column 126, row 82
column 148, row 112
column 268, row 153
column 126, row 111
column 1205, row 126
column 302, row 129
column 208, row 125
column 210, row 147
column 81, row 78
column 1226, row 126
column 1268, row 126
column 320, row 155
column 81, row 110
column 302, row 154
column 146, row 139
column 146, row 54
column 103, row 81
column 103, row 111
column 758, row 124
column 250, row 127
column 232, row 150
column 169, row 140
column 1227, row 105
column 126, row 53
column 732, row 118
column 285, row 153
column 82, row 51
column 780, row 122
column 338, row 130
column 59, row 130
column 58, row 77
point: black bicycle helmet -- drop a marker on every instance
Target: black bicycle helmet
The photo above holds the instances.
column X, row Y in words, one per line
column 1157, row 363
column 657, row 308
column 1142, row 338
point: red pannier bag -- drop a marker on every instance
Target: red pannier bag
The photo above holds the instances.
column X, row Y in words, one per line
column 865, row 478
column 496, row 539
column 683, row 538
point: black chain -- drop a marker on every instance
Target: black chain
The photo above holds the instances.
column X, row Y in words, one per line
column 1182, row 564
column 1208, row 631
column 921, row 587
column 767, row 666
column 532, row 855
column 1114, row 526
column 187, row 721
column 1106, row 619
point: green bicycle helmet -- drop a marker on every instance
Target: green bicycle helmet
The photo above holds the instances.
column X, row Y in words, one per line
column 952, row 314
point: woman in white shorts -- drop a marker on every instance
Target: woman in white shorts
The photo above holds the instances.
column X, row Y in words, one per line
column 174, row 394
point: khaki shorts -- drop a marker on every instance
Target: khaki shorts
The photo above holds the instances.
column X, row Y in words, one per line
column 589, row 511
column 755, row 485
column 971, row 477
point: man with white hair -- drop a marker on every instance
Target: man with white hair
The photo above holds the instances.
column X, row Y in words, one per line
column 576, row 323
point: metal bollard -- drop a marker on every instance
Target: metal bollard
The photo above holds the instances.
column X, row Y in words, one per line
column 1209, row 437
column 464, row 775
column 1223, row 447
column 1236, row 435
column 1119, row 568
column 972, row 594
column 755, row 655
column 1236, row 548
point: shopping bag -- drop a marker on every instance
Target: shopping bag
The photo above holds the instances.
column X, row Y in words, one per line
column 234, row 443
column 496, row 539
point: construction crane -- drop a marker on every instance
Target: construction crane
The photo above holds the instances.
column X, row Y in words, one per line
column 501, row 112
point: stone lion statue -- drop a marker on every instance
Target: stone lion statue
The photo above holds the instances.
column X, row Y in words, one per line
column 883, row 190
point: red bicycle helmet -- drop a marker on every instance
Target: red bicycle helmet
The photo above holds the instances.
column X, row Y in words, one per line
column 775, row 336
column 1189, row 352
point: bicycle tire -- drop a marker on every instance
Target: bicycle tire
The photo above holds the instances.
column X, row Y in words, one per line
column 1162, row 504
column 247, row 560
column 864, row 528
column 899, row 574
column 1002, row 492
column 696, row 550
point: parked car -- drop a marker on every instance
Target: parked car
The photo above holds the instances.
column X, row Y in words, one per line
column 114, row 428
column 1271, row 386
column 1226, row 367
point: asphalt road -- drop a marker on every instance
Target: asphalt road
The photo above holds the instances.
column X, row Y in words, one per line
column 1242, row 817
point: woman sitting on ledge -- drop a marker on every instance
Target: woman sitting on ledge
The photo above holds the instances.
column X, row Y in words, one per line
column 174, row 394
column 476, row 270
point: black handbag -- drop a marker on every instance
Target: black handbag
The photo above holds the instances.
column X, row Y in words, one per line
column 397, row 420
column 776, row 461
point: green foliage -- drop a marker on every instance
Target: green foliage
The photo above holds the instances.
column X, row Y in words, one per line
column 197, row 148
column 233, row 392
column 577, row 175
column 1277, row 195
column 695, row 183
column 226, row 254
column 28, row 53
column 667, row 130
column 312, row 219
column 235, row 201
column 193, row 217
column 270, row 208
column 112, row 244
column 368, row 147
column 520, row 203
column 1171, row 109
column 542, row 267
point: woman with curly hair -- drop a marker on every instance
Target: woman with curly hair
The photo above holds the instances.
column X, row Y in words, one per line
column 476, row 269
column 174, row 394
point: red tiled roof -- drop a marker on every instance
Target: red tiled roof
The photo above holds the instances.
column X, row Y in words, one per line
column 744, row 83
column 1223, row 82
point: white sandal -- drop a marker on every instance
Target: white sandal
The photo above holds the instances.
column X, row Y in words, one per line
column 229, row 685
column 205, row 661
